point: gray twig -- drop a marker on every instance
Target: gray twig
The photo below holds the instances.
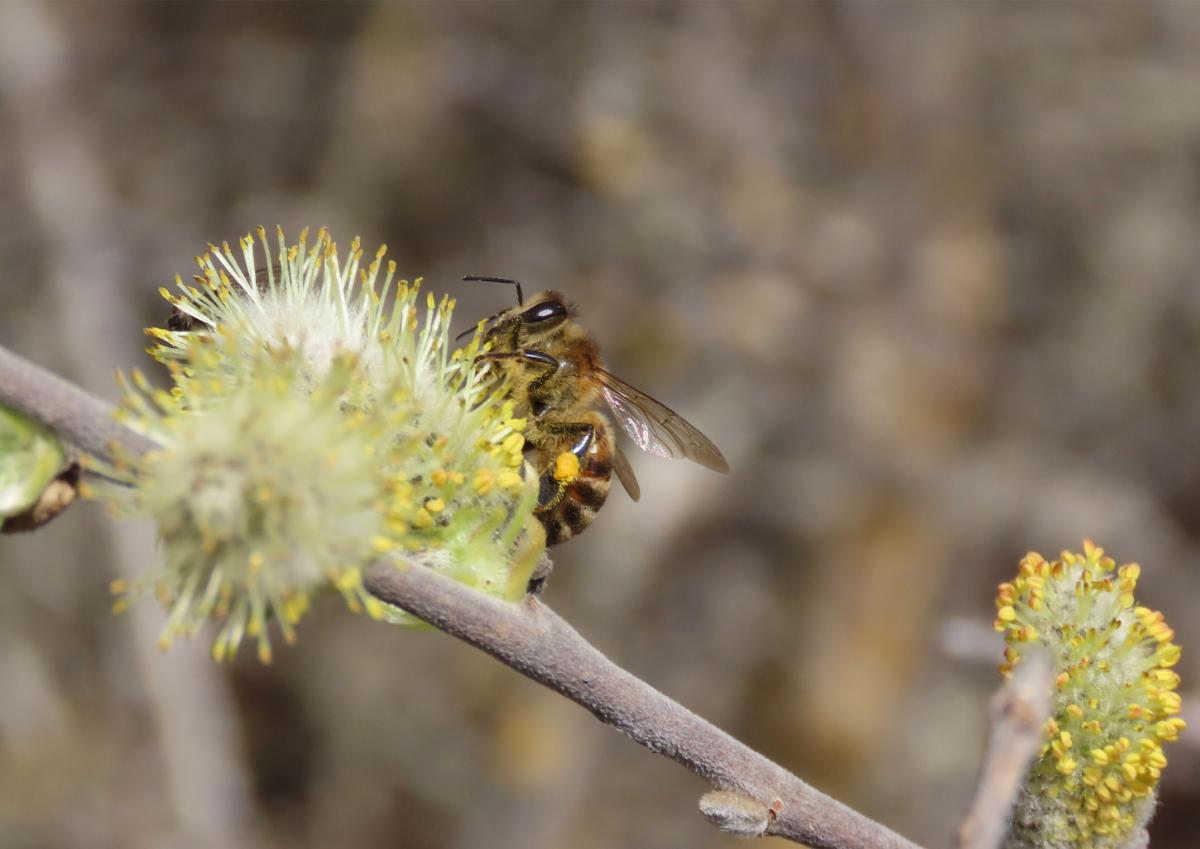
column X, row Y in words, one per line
column 1018, row 712
column 74, row 415
column 536, row 642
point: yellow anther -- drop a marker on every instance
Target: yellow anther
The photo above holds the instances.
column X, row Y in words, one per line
column 1167, row 655
column 483, row 481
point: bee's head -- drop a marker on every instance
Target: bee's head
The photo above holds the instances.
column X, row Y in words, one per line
column 529, row 322
column 543, row 314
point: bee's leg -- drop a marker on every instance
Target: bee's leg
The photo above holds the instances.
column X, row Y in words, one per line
column 550, row 488
column 541, row 573
column 535, row 358
column 585, row 430
column 530, row 355
column 549, row 364
column 569, row 498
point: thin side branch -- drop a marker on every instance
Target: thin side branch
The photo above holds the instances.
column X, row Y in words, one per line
column 533, row 640
column 72, row 414
column 1018, row 712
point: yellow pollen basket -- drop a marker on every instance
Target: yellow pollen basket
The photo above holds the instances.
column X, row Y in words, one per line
column 566, row 467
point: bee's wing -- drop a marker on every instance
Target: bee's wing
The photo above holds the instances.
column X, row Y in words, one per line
column 655, row 427
column 625, row 473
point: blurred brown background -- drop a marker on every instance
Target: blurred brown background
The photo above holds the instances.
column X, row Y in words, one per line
column 926, row 272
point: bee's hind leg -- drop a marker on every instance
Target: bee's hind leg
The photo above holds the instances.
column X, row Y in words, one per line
column 550, row 488
column 586, row 431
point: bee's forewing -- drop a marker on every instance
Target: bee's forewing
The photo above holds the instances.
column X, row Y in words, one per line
column 655, row 427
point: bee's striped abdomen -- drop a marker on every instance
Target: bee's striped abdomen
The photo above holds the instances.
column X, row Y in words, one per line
column 565, row 511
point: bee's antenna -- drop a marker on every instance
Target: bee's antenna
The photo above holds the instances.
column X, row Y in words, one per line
column 520, row 297
column 466, row 332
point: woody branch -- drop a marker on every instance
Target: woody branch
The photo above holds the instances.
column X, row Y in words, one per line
column 539, row 644
column 75, row 416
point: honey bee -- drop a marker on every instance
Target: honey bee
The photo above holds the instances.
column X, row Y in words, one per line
column 554, row 365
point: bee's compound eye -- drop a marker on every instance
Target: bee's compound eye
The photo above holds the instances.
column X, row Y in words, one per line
column 549, row 311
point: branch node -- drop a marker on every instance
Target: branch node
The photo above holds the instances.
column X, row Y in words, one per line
column 738, row 814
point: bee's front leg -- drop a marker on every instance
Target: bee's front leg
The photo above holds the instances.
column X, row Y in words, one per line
column 537, row 359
